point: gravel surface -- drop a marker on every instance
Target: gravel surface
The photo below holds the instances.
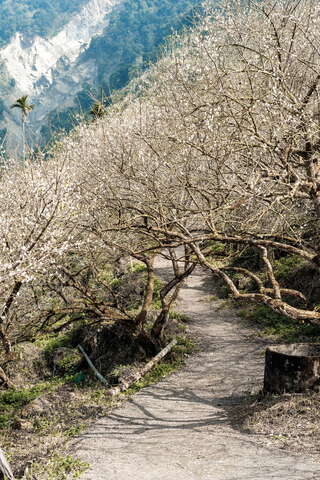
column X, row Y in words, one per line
column 180, row 429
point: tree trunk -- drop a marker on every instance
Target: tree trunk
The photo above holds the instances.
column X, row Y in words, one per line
column 7, row 346
column 160, row 322
column 23, row 138
column 3, row 336
column 175, row 283
column 6, row 380
column 148, row 297
column 292, row 368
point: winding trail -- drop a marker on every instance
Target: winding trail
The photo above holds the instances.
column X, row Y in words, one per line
column 179, row 429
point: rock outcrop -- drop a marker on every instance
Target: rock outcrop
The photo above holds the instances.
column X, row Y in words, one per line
column 49, row 70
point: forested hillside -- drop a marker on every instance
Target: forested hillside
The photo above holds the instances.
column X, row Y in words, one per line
column 64, row 56
column 134, row 34
column 212, row 158
column 131, row 40
column 34, row 17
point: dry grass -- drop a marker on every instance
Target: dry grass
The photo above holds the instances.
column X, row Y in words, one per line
column 290, row 421
column 35, row 435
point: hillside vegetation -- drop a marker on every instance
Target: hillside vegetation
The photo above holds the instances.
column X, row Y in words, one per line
column 214, row 150
column 34, row 17
column 132, row 39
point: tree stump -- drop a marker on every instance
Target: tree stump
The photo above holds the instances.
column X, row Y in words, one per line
column 292, row 368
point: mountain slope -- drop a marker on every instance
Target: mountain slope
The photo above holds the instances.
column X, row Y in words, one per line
column 102, row 45
column 135, row 31
column 35, row 17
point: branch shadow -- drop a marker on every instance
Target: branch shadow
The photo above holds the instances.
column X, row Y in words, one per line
column 163, row 408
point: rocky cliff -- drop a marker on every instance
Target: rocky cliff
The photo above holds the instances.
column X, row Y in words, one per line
column 48, row 69
column 101, row 45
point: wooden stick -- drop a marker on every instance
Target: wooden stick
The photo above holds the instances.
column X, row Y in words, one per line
column 93, row 368
column 5, row 467
column 125, row 384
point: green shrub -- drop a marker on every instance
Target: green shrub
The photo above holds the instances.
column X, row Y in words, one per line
column 50, row 343
column 285, row 266
column 217, row 248
column 138, row 267
column 69, row 363
column 11, row 401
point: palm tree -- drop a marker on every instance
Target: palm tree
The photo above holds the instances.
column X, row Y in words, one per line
column 98, row 109
column 25, row 108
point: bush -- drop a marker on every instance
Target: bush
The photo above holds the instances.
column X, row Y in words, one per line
column 286, row 266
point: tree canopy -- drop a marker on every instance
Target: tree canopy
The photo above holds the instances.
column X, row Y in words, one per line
column 213, row 152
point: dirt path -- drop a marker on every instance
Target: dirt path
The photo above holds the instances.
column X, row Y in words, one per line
column 179, row 429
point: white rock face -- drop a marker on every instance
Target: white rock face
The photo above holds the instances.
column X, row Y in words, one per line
column 27, row 64
column 50, row 70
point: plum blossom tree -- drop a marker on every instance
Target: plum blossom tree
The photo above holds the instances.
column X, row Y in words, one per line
column 37, row 228
column 221, row 145
column 215, row 147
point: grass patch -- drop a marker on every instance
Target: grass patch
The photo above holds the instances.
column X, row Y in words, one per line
column 181, row 317
column 74, row 431
column 278, row 326
column 159, row 371
column 11, row 401
column 58, row 468
column 185, row 346
column 285, row 266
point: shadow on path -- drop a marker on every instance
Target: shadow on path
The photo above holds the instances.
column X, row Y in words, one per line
column 181, row 429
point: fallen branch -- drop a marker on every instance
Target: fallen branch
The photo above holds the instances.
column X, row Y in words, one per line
column 125, row 384
column 5, row 467
column 93, row 368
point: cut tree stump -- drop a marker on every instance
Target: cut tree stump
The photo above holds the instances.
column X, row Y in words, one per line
column 292, row 368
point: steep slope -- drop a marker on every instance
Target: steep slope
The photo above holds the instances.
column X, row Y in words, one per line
column 39, row 57
column 32, row 65
column 102, row 46
column 35, row 17
column 131, row 40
